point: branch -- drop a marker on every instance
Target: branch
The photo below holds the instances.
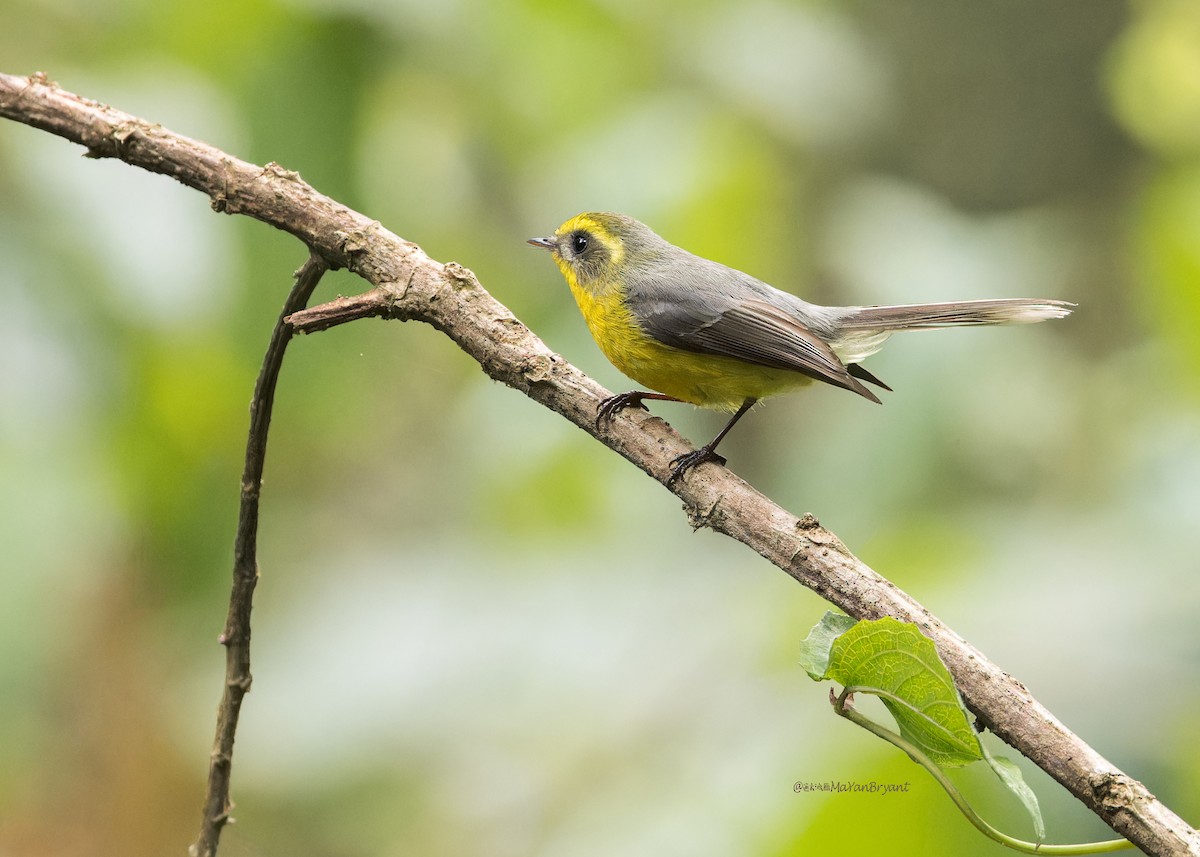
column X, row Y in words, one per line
column 236, row 636
column 407, row 284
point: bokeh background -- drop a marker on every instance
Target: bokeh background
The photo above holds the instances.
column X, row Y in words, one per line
column 479, row 632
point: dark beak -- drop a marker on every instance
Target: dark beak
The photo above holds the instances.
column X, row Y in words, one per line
column 545, row 243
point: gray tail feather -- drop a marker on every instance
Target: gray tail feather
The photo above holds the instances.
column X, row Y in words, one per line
column 953, row 314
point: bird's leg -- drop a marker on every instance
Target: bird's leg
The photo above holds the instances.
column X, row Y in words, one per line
column 708, row 452
column 614, row 404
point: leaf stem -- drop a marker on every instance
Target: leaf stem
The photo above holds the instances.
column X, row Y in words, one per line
column 842, row 707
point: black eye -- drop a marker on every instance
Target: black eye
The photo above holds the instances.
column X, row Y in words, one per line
column 579, row 243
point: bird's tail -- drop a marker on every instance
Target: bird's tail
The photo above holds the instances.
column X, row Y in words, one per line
column 953, row 314
column 862, row 330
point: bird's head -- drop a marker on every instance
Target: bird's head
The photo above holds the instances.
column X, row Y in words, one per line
column 592, row 248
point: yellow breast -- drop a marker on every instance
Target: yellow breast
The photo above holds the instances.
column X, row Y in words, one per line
column 708, row 380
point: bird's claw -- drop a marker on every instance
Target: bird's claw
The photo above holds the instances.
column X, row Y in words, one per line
column 613, row 405
column 682, row 463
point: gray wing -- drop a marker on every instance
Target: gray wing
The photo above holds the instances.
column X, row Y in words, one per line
column 731, row 314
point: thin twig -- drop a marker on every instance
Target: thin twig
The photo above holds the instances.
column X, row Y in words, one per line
column 407, row 284
column 236, row 637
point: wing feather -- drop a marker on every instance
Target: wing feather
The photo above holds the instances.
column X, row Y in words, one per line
column 738, row 318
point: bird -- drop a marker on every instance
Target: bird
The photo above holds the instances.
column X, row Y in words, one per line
column 694, row 330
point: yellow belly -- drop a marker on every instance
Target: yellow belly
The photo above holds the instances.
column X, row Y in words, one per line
column 711, row 381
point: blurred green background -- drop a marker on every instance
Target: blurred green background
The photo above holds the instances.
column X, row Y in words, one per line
column 479, row 632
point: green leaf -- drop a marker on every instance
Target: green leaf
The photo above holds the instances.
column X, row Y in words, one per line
column 814, row 651
column 1010, row 775
column 896, row 662
column 900, row 665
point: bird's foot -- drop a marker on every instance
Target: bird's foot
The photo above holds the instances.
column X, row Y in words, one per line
column 683, row 463
column 613, row 405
